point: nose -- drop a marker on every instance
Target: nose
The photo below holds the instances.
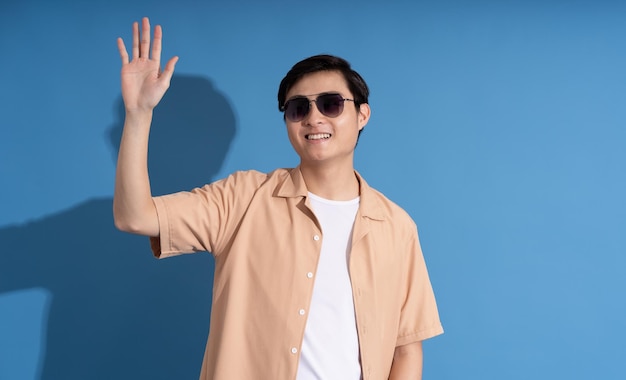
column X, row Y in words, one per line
column 314, row 116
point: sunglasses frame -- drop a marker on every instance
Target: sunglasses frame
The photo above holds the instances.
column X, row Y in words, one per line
column 320, row 107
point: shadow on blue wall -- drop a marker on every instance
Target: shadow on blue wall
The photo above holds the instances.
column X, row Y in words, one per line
column 116, row 312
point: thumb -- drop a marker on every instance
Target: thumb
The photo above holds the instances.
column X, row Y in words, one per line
column 168, row 72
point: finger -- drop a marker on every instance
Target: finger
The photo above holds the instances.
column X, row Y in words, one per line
column 144, row 42
column 157, row 43
column 122, row 50
column 168, row 72
column 135, row 40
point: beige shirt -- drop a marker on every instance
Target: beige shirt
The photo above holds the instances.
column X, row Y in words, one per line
column 266, row 242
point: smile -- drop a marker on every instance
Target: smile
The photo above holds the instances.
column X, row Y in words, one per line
column 318, row 136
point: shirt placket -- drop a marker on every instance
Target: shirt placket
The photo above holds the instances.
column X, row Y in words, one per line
column 306, row 267
column 359, row 292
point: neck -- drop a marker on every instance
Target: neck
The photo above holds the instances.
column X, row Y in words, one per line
column 332, row 182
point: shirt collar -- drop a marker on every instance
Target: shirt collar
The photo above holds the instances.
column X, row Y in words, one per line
column 293, row 186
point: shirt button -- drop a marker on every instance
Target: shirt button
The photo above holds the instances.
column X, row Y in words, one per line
column 301, row 311
column 294, row 350
column 309, row 275
column 316, row 237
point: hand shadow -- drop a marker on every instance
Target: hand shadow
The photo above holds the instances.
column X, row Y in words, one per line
column 116, row 312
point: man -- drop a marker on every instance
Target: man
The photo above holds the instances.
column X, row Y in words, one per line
column 317, row 275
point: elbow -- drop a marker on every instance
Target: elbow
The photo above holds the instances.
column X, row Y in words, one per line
column 130, row 227
column 135, row 221
column 120, row 225
column 124, row 223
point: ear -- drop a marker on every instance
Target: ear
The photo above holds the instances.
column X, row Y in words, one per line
column 364, row 115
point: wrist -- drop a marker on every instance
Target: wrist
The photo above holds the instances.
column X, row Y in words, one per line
column 138, row 114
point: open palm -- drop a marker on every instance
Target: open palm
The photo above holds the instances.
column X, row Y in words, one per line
column 143, row 82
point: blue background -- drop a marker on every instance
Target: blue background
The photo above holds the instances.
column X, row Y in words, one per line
column 498, row 125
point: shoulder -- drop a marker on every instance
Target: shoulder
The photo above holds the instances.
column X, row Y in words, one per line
column 376, row 205
column 253, row 177
column 391, row 210
column 247, row 181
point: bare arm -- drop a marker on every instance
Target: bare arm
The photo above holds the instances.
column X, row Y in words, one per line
column 143, row 86
column 407, row 362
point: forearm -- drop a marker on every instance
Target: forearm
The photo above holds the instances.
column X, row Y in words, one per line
column 407, row 362
column 133, row 208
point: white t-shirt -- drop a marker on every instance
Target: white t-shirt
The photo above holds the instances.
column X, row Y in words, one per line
column 330, row 349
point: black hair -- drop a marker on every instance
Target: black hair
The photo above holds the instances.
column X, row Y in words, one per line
column 356, row 84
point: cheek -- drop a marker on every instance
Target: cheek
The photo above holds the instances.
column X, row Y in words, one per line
column 292, row 134
column 351, row 126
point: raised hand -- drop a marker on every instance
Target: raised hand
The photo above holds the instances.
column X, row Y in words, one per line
column 143, row 82
column 143, row 86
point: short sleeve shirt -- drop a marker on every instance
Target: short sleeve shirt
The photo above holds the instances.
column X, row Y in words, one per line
column 266, row 242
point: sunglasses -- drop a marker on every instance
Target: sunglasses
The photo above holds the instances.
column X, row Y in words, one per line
column 330, row 105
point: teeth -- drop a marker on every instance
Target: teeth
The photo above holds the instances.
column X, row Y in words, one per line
column 318, row 136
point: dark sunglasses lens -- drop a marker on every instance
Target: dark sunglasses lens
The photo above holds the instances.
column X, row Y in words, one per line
column 330, row 105
column 296, row 109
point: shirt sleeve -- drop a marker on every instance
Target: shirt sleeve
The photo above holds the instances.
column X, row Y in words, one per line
column 201, row 219
column 419, row 318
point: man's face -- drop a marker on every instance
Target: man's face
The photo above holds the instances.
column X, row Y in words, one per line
column 319, row 139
